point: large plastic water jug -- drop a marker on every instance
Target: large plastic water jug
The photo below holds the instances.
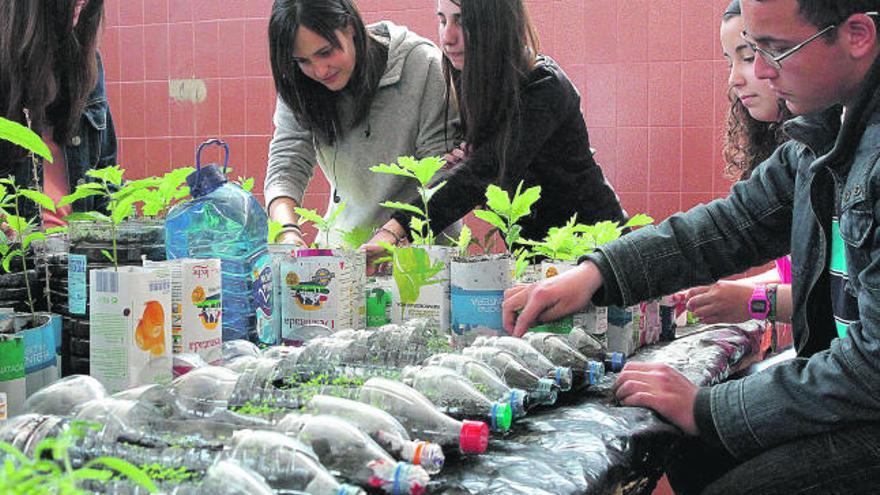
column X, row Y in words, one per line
column 224, row 221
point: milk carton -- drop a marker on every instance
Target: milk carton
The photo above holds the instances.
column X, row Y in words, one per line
column 477, row 291
column 434, row 299
column 130, row 322
column 196, row 308
column 13, row 386
column 321, row 287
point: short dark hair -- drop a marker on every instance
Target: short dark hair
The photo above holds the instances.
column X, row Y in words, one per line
column 822, row 13
column 315, row 106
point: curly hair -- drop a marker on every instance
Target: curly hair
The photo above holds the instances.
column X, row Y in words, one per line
column 748, row 141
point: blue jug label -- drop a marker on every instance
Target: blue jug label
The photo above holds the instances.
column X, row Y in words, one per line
column 76, row 282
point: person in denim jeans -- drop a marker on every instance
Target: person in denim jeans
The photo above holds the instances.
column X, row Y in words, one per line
column 53, row 70
column 808, row 425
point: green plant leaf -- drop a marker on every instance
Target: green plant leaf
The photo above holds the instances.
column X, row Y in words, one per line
column 56, row 230
column 33, row 236
column 38, row 198
column 497, row 200
column 79, row 193
column 413, row 270
column 512, row 236
column 20, row 135
column 423, row 169
column 88, row 216
column 11, row 256
column 111, row 175
column 126, row 469
column 491, row 218
column 16, row 223
column 335, row 214
column 122, row 211
column 403, row 206
column 246, row 184
column 109, row 256
column 310, row 216
column 639, row 220
column 274, row 230
column 430, row 192
column 521, row 205
column 392, row 169
column 357, row 237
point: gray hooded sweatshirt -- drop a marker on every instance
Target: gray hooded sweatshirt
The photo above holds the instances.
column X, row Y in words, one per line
column 407, row 118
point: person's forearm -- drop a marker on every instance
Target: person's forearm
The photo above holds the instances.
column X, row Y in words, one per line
column 282, row 210
column 783, row 303
column 769, row 277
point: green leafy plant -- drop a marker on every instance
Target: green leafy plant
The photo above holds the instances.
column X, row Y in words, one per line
column 159, row 195
column 464, row 241
column 412, row 269
column 20, row 135
column 504, row 212
column 169, row 475
column 356, row 237
column 50, row 471
column 324, row 225
column 24, row 230
column 122, row 198
column 274, row 229
column 422, row 171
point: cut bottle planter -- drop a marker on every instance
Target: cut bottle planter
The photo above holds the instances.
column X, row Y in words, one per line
column 39, row 355
column 477, row 291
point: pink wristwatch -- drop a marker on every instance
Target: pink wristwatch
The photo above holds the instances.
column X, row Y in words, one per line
column 759, row 304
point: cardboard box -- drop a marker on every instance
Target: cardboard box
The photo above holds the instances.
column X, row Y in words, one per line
column 477, row 291
column 196, row 306
column 322, row 287
column 434, row 300
column 130, row 322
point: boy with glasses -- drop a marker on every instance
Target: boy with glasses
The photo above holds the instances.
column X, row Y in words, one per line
column 809, row 425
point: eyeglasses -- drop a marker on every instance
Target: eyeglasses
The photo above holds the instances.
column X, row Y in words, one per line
column 775, row 60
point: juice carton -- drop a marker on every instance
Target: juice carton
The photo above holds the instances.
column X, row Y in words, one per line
column 434, row 300
column 130, row 322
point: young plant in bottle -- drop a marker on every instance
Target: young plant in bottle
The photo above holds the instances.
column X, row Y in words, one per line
column 121, row 199
column 51, row 470
column 24, row 231
column 422, row 171
column 503, row 214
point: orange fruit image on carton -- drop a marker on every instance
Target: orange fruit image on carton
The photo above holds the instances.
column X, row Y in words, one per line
column 150, row 333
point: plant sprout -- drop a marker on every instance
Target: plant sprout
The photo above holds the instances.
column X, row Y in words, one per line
column 423, row 171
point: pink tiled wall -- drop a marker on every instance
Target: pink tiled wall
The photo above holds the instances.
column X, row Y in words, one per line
column 650, row 73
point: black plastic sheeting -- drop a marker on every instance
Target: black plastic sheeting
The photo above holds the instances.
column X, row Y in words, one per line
column 586, row 444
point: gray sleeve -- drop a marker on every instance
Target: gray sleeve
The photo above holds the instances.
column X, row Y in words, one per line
column 437, row 135
column 748, row 228
column 291, row 157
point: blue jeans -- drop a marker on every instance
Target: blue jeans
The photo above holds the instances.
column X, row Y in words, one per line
column 845, row 461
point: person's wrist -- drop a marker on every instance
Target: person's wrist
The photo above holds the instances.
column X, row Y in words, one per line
column 288, row 230
column 772, row 291
column 388, row 232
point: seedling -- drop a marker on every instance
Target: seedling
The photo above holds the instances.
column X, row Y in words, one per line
column 20, row 135
column 24, row 230
column 423, row 171
column 160, row 195
column 324, row 225
column 121, row 204
column 412, row 269
column 504, row 212
column 464, row 241
column 50, row 471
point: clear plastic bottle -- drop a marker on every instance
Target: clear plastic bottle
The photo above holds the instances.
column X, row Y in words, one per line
column 342, row 447
column 224, row 221
column 456, row 396
column 595, row 350
column 534, row 360
column 383, row 428
column 422, row 419
column 64, row 396
column 484, row 379
column 285, row 463
column 557, row 350
column 511, row 369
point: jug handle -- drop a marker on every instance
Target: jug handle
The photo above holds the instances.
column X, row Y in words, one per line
column 204, row 145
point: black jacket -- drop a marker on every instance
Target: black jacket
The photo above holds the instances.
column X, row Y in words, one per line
column 551, row 149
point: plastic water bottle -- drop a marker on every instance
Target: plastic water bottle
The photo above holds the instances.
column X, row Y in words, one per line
column 529, row 356
column 224, row 221
column 484, row 379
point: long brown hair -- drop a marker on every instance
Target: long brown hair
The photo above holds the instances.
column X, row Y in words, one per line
column 47, row 64
column 501, row 46
column 315, row 106
column 748, row 141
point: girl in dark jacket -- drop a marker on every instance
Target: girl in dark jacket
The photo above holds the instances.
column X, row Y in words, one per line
column 522, row 122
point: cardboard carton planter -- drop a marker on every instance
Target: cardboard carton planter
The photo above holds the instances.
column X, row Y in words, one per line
column 593, row 320
column 320, row 287
column 40, row 340
column 196, row 307
column 477, row 292
column 433, row 301
column 130, row 323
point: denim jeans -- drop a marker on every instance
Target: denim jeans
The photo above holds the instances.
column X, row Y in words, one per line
column 844, row 461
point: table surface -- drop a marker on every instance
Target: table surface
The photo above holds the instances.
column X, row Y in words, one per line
column 588, row 445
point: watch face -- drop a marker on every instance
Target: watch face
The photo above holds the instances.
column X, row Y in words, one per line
column 758, row 306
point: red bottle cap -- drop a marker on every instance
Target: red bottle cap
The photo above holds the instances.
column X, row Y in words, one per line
column 474, row 437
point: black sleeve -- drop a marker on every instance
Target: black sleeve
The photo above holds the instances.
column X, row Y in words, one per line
column 544, row 102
